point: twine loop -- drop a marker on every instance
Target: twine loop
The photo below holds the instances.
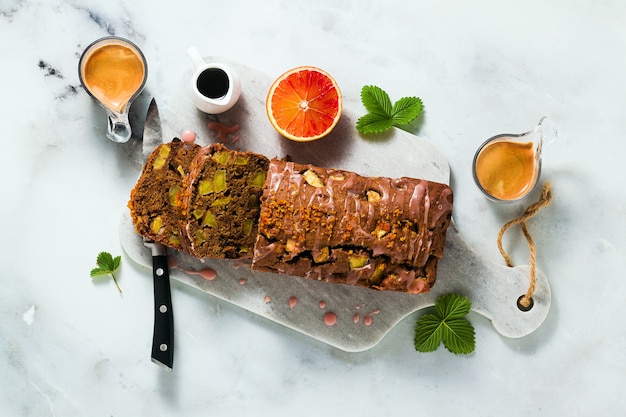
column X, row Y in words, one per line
column 525, row 301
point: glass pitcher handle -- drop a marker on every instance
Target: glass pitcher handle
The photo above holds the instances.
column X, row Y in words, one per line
column 118, row 128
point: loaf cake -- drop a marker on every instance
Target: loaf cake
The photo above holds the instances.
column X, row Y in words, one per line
column 220, row 199
column 337, row 226
column 324, row 224
column 154, row 201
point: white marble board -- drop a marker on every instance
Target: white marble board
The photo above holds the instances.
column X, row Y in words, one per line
column 364, row 316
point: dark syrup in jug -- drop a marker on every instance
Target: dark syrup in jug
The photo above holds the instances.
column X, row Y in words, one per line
column 213, row 83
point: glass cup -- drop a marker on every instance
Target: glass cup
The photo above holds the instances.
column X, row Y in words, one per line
column 114, row 71
column 507, row 167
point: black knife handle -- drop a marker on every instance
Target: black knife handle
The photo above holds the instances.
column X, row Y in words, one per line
column 163, row 334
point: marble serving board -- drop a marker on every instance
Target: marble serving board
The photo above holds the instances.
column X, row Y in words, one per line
column 349, row 318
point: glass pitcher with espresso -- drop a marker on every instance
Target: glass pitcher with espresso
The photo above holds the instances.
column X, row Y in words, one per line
column 113, row 71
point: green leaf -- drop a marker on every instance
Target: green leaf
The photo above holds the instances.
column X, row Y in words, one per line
column 373, row 123
column 98, row 272
column 452, row 306
column 406, row 109
column 448, row 325
column 428, row 333
column 376, row 100
column 107, row 265
column 105, row 261
column 116, row 262
column 382, row 114
column 458, row 336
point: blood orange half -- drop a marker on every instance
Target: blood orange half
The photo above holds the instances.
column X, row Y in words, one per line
column 304, row 104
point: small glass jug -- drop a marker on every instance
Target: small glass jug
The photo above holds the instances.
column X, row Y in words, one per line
column 507, row 167
column 114, row 71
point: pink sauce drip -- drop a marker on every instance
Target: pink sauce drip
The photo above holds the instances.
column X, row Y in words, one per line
column 367, row 320
column 330, row 318
column 292, row 302
column 224, row 131
column 242, row 281
column 188, row 136
column 322, row 304
column 356, row 318
column 208, row 273
column 267, row 299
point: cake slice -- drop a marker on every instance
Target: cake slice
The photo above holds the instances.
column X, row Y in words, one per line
column 154, row 201
column 221, row 198
column 337, row 226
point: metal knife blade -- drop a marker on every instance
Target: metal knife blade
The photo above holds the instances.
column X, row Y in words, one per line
column 152, row 130
column 163, row 332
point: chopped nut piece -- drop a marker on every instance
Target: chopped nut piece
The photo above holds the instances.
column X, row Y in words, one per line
column 221, row 202
column 159, row 161
column 358, row 260
column 322, row 256
column 222, row 157
column 247, row 226
column 198, row 213
column 338, row 177
column 241, row 159
column 382, row 228
column 205, row 186
column 259, row 179
column 219, row 182
column 290, row 246
column 156, row 225
column 172, row 195
column 200, row 236
column 312, row 178
column 209, row 220
column 373, row 196
column 377, row 276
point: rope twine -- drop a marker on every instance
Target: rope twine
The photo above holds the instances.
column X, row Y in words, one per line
column 544, row 201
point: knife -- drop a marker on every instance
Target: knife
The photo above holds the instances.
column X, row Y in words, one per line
column 163, row 333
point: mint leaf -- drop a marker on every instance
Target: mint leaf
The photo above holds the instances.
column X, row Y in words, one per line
column 107, row 265
column 448, row 325
column 382, row 114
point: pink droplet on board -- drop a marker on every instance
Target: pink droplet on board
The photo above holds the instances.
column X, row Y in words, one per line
column 330, row 318
column 188, row 136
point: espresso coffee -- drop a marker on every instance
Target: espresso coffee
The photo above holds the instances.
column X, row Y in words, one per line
column 113, row 73
column 213, row 83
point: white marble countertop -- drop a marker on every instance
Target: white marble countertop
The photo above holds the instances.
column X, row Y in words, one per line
column 72, row 347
